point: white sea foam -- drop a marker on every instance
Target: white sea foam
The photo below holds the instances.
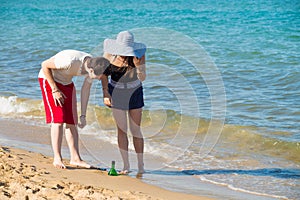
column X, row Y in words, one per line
column 9, row 105
column 202, row 178
column 13, row 105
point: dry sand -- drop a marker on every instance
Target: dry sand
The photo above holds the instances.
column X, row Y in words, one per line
column 28, row 175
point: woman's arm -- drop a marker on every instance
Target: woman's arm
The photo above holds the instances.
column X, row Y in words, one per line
column 140, row 65
column 106, row 95
column 104, row 81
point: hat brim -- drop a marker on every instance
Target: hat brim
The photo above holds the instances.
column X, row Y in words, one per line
column 112, row 47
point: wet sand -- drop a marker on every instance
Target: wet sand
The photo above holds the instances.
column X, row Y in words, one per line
column 31, row 175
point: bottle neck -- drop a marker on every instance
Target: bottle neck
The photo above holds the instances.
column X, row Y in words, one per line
column 113, row 164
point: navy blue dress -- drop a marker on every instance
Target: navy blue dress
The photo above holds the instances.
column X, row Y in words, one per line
column 124, row 87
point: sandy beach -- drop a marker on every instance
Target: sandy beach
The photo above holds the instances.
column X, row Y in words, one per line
column 31, row 175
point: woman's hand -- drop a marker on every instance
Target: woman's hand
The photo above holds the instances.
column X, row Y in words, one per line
column 140, row 67
column 107, row 101
column 138, row 61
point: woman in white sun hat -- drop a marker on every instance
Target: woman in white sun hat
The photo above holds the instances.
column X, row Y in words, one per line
column 124, row 91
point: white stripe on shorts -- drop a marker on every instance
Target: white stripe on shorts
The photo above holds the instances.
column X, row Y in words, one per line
column 47, row 99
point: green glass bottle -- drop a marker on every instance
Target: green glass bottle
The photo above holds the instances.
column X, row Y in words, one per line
column 112, row 171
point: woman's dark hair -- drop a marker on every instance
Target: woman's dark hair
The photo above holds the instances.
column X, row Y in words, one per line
column 129, row 61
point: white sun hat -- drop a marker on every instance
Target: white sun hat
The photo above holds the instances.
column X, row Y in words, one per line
column 124, row 45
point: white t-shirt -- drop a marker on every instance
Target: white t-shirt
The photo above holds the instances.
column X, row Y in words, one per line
column 68, row 64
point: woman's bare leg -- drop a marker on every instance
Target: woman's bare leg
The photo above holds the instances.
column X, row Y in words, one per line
column 121, row 122
column 135, row 118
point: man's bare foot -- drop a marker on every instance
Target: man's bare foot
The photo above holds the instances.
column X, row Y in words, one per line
column 80, row 164
column 59, row 164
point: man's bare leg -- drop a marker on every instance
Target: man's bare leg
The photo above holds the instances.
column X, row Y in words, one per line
column 56, row 141
column 72, row 138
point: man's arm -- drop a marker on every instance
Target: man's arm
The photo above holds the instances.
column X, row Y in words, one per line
column 85, row 94
column 84, row 98
column 47, row 67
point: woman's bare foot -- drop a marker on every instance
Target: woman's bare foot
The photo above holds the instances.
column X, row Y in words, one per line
column 81, row 164
column 141, row 168
column 141, row 171
column 124, row 172
column 59, row 164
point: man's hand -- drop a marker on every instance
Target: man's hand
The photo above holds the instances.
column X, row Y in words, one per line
column 82, row 121
column 59, row 98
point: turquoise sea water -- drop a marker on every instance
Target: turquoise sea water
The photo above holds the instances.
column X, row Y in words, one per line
column 253, row 47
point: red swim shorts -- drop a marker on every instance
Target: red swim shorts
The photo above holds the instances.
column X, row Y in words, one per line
column 56, row 114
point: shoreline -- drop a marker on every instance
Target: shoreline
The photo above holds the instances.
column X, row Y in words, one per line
column 32, row 136
column 30, row 174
